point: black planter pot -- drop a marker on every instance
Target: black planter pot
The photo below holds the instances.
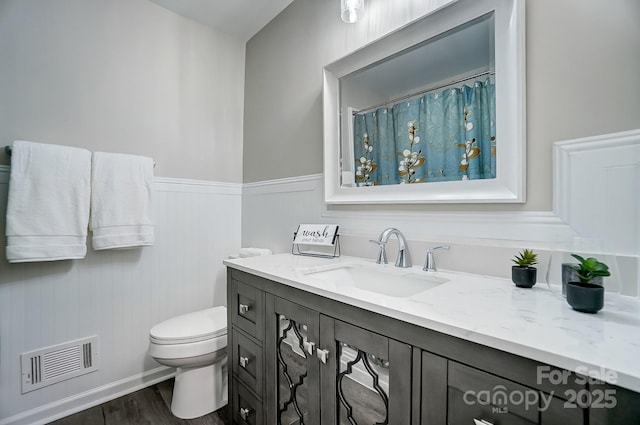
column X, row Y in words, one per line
column 569, row 274
column 585, row 297
column 524, row 277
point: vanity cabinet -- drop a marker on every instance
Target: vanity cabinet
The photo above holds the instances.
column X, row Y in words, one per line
column 245, row 309
column 448, row 392
column 293, row 375
column 300, row 358
column 625, row 411
column 322, row 370
column 367, row 379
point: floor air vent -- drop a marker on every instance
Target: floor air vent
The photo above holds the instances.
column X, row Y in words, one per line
column 57, row 363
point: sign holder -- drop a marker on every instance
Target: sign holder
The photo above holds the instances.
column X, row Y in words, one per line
column 316, row 240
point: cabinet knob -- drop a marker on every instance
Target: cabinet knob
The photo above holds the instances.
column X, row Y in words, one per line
column 323, row 355
column 244, row 361
column 244, row 413
column 243, row 308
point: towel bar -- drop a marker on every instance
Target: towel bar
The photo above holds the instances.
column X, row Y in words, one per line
column 7, row 150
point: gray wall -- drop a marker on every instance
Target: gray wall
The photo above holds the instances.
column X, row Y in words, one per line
column 123, row 76
column 119, row 76
column 582, row 80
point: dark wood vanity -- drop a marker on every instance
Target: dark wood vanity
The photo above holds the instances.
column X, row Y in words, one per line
column 297, row 357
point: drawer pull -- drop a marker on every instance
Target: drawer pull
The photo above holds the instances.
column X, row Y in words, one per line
column 244, row 361
column 323, row 355
column 309, row 346
column 482, row 422
column 243, row 308
column 244, row 413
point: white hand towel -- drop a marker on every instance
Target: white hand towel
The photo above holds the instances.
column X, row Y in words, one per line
column 48, row 206
column 121, row 201
column 253, row 252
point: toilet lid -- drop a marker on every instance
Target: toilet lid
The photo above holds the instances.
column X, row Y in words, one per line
column 191, row 327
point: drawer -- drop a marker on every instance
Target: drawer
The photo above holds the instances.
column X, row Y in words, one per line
column 247, row 362
column 247, row 309
column 462, row 412
column 473, row 394
column 245, row 408
column 558, row 411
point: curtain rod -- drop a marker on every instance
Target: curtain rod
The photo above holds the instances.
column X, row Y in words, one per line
column 408, row 96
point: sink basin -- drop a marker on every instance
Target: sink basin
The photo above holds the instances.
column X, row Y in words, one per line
column 384, row 280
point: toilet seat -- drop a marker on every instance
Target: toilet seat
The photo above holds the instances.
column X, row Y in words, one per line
column 190, row 328
column 213, row 347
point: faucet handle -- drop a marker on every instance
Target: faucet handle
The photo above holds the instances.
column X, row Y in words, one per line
column 435, row 248
column 430, row 262
column 382, row 253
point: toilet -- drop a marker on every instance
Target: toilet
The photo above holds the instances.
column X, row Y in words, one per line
column 196, row 345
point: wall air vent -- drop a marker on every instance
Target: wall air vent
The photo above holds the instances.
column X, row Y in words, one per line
column 60, row 362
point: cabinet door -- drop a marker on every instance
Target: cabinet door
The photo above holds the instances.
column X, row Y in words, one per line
column 558, row 411
column 292, row 372
column 611, row 405
column 429, row 389
column 366, row 378
column 474, row 396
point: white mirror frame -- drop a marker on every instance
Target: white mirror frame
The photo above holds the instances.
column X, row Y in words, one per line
column 509, row 184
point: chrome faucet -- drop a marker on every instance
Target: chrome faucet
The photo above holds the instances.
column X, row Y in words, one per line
column 430, row 262
column 403, row 259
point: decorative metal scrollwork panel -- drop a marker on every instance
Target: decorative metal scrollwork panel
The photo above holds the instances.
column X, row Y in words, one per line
column 292, row 372
column 363, row 388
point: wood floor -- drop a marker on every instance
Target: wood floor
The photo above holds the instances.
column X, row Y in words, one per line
column 149, row 406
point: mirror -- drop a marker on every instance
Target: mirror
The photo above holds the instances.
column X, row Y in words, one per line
column 433, row 112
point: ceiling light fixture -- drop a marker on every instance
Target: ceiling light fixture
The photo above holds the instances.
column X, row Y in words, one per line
column 351, row 10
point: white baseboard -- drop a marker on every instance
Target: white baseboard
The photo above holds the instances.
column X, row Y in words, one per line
column 79, row 402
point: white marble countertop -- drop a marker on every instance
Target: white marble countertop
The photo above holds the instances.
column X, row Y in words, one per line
column 536, row 323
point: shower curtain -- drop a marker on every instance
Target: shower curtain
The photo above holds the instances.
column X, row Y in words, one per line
column 439, row 136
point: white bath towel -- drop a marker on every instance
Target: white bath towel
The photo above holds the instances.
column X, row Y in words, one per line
column 48, row 206
column 121, row 201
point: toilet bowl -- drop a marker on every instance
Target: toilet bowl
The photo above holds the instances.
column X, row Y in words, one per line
column 196, row 345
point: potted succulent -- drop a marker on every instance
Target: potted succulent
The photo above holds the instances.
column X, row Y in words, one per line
column 584, row 295
column 523, row 274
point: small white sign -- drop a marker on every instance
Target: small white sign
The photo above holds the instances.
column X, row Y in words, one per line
column 316, row 234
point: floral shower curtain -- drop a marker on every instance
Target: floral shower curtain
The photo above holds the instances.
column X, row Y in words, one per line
column 442, row 136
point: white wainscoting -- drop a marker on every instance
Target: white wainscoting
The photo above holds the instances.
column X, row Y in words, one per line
column 272, row 210
column 117, row 295
column 485, row 240
column 597, row 189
